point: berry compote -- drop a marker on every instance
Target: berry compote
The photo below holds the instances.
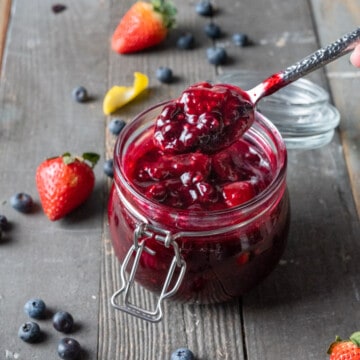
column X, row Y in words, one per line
column 226, row 208
column 205, row 117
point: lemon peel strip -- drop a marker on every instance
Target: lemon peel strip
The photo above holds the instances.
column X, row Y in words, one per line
column 118, row 96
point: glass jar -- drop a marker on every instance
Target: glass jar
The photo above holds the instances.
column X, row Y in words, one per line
column 192, row 255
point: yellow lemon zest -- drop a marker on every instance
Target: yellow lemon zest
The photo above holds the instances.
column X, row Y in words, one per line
column 118, row 96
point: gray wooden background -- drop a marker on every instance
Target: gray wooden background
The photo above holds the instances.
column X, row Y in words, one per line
column 296, row 312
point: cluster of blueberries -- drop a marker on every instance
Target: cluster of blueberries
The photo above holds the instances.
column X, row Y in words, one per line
column 30, row 332
column 216, row 55
column 68, row 348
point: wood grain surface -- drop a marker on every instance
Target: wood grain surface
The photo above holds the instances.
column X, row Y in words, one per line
column 333, row 18
column 5, row 6
column 296, row 312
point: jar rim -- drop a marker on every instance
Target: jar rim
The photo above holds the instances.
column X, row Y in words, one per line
column 249, row 206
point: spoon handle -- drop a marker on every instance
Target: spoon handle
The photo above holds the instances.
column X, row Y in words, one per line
column 308, row 64
column 322, row 56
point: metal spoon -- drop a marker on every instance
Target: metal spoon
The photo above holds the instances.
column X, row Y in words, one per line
column 216, row 136
column 312, row 62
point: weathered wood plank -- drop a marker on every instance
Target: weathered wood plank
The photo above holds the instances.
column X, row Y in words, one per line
column 334, row 18
column 47, row 55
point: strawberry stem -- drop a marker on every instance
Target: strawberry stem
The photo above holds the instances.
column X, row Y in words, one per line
column 92, row 158
column 167, row 10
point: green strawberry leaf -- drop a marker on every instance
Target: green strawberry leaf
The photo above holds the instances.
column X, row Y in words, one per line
column 92, row 158
column 167, row 10
column 355, row 338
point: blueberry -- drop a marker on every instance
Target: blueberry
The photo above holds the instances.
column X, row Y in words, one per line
column 212, row 30
column 22, row 202
column 164, row 74
column 4, row 223
column 116, row 125
column 69, row 349
column 216, row 55
column 35, row 308
column 240, row 39
column 29, row 332
column 182, row 354
column 186, row 41
column 109, row 167
column 204, row 8
column 57, row 8
column 63, row 321
column 80, row 94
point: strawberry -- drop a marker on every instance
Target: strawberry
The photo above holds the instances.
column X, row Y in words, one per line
column 346, row 349
column 144, row 25
column 238, row 192
column 65, row 182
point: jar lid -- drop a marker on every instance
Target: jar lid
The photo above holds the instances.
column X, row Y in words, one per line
column 301, row 111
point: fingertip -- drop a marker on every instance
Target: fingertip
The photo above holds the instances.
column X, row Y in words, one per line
column 355, row 57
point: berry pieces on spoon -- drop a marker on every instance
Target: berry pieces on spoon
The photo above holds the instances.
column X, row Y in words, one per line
column 205, row 117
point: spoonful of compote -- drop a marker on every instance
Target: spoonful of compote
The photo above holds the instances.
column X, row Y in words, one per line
column 208, row 118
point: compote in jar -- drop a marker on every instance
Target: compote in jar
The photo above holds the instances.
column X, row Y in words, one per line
column 199, row 226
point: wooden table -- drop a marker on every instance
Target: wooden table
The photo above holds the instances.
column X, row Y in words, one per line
column 314, row 293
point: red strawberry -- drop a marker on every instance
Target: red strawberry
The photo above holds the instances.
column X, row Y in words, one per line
column 64, row 183
column 346, row 349
column 238, row 192
column 144, row 25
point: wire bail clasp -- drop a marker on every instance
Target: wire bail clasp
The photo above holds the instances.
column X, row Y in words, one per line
column 165, row 237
